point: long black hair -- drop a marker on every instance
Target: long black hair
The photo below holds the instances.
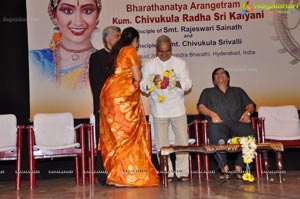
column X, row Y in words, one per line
column 127, row 36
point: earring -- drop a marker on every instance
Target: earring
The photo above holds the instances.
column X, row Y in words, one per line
column 56, row 38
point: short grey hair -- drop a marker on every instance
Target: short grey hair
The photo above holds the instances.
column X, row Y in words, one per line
column 163, row 38
column 108, row 31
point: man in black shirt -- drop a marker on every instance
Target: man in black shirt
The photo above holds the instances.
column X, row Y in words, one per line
column 227, row 110
column 97, row 75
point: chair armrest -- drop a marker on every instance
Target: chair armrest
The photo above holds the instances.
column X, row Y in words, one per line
column 80, row 125
column 20, row 126
column 80, row 133
column 197, row 121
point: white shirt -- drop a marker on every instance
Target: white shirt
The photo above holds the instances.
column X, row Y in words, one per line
column 173, row 106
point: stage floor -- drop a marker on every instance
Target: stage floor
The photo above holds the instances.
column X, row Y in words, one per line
column 65, row 188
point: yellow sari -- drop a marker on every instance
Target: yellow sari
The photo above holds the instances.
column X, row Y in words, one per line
column 123, row 140
column 76, row 79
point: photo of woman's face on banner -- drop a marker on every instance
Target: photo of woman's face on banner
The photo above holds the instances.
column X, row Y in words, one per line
column 59, row 71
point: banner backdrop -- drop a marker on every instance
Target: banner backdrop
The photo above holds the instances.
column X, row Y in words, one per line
column 258, row 42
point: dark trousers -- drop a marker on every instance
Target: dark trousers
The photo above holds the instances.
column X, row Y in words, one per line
column 219, row 133
column 101, row 176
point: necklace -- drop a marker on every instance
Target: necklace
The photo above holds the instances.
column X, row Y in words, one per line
column 75, row 53
column 84, row 75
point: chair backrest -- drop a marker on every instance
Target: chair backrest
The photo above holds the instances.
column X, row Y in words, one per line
column 55, row 129
column 8, row 130
column 281, row 122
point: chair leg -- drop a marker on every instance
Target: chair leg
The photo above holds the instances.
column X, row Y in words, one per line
column 90, row 146
column 257, row 167
column 205, row 141
column 198, row 157
column 83, row 170
column 164, row 169
column 266, row 163
column 199, row 168
column 279, row 165
column 19, row 159
column 260, row 165
column 90, row 168
column 82, row 145
column 206, row 166
column 91, row 156
column 190, row 166
column 93, row 169
column 32, row 161
column 18, row 174
column 32, row 180
column 77, row 170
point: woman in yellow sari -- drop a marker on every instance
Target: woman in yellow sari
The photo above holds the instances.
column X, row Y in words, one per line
column 123, row 126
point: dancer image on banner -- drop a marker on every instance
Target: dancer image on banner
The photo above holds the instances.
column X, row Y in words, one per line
column 60, row 73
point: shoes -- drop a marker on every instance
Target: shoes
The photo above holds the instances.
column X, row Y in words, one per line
column 171, row 179
column 183, row 179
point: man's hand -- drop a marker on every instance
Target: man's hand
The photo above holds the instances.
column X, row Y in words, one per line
column 215, row 118
column 245, row 117
column 178, row 84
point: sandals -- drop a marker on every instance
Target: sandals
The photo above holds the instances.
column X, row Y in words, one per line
column 238, row 176
column 224, row 176
column 238, row 172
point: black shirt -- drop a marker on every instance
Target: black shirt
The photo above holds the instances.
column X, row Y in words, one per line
column 229, row 105
column 97, row 79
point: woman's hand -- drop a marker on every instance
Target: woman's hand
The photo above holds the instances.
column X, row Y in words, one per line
column 156, row 79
